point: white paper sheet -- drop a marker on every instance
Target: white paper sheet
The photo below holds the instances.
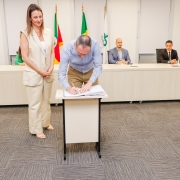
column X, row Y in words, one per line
column 96, row 90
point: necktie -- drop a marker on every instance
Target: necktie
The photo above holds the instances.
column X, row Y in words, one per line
column 169, row 54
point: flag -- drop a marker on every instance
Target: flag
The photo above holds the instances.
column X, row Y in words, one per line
column 58, row 40
column 105, row 40
column 84, row 30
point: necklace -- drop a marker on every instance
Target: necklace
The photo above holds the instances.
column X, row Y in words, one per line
column 38, row 33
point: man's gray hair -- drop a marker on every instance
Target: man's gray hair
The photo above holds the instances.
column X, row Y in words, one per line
column 84, row 41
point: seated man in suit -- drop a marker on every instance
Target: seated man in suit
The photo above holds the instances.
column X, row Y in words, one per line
column 168, row 55
column 119, row 55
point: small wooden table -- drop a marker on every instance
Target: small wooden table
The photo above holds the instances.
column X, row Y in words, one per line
column 81, row 119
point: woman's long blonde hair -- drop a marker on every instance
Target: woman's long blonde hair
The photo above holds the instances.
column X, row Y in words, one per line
column 31, row 8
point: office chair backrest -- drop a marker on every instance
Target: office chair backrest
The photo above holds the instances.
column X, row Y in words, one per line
column 108, row 56
column 158, row 52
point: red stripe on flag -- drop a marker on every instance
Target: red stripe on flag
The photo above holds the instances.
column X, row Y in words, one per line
column 59, row 43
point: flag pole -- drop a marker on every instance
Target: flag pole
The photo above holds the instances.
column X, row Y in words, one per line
column 56, row 13
column 104, row 11
column 82, row 8
column 56, row 9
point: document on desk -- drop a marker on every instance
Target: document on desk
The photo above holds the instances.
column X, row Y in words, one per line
column 175, row 65
column 96, row 90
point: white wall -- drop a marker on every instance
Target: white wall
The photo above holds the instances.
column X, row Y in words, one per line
column 94, row 11
column 154, row 25
column 4, row 58
column 176, row 25
column 65, row 17
column 15, row 12
column 16, row 20
column 122, row 15
column 123, row 23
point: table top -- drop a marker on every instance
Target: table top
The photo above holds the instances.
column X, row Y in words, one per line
column 106, row 67
column 60, row 95
column 119, row 67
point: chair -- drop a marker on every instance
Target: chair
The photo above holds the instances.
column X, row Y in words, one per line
column 158, row 52
column 108, row 56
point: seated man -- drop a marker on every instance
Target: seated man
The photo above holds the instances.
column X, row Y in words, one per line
column 119, row 55
column 168, row 55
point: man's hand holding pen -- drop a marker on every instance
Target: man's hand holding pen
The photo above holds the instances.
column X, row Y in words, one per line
column 72, row 89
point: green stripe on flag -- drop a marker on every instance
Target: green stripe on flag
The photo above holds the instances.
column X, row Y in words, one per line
column 55, row 27
column 84, row 29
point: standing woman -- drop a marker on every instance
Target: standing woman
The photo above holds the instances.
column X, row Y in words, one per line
column 37, row 48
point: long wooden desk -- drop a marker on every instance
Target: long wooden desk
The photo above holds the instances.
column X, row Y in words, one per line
column 145, row 82
column 141, row 82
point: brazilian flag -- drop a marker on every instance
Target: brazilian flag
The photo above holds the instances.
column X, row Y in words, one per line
column 84, row 30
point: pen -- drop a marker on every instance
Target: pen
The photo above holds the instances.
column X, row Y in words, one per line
column 73, row 84
column 75, row 87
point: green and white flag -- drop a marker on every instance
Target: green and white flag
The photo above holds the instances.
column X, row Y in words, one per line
column 105, row 41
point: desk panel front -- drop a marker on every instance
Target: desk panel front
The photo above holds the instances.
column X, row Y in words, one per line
column 81, row 120
column 140, row 82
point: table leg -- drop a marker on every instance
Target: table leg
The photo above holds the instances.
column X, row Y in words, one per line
column 64, row 133
column 99, row 130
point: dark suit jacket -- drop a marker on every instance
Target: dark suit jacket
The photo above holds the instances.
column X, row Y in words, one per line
column 163, row 56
